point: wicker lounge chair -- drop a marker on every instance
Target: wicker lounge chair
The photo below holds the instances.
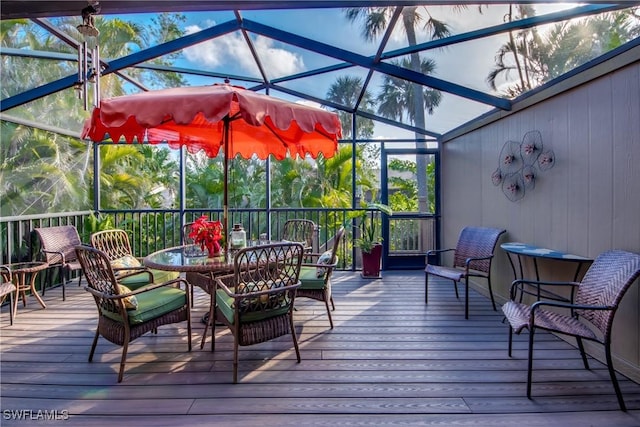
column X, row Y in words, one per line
column 56, row 246
column 116, row 245
column 256, row 301
column 7, row 288
column 588, row 316
column 315, row 275
column 122, row 319
column 472, row 258
column 300, row 230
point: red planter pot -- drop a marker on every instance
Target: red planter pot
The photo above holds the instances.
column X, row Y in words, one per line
column 371, row 262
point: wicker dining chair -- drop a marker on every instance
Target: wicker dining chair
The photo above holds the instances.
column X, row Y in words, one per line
column 300, row 230
column 116, row 245
column 7, row 288
column 125, row 315
column 316, row 272
column 256, row 302
column 472, row 258
column 587, row 316
column 56, row 246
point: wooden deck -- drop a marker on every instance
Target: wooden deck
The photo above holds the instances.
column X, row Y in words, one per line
column 391, row 360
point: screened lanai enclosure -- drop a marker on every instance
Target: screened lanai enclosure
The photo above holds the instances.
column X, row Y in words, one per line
column 401, row 75
column 518, row 115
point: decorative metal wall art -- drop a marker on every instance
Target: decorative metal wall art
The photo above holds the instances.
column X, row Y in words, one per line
column 520, row 163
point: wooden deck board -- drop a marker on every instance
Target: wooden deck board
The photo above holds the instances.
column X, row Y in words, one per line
column 391, row 360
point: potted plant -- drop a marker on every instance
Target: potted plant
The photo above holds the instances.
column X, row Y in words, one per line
column 370, row 240
column 207, row 234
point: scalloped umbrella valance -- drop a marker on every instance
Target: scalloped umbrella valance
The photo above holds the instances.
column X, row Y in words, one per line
column 208, row 118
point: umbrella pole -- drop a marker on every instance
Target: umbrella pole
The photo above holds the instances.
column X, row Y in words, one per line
column 225, row 201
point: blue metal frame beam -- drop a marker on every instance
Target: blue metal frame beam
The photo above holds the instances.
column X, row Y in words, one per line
column 38, row 92
column 173, row 45
column 47, row 25
column 14, row 9
column 372, row 63
column 57, row 56
column 368, row 62
column 122, row 63
column 397, row 124
column 383, row 43
column 311, row 73
column 38, row 54
column 131, row 80
column 305, row 96
column 252, row 49
column 193, row 72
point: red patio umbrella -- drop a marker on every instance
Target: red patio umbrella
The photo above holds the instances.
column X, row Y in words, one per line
column 210, row 117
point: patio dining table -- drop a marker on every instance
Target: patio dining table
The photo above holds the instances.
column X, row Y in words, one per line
column 190, row 259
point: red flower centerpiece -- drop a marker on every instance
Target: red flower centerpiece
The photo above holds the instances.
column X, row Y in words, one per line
column 207, row 234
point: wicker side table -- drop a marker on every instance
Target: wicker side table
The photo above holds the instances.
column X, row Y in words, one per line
column 24, row 278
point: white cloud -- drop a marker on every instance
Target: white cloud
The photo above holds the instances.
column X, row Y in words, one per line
column 278, row 62
column 232, row 49
column 309, row 103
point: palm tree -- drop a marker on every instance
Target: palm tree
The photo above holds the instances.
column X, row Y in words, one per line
column 40, row 169
column 571, row 44
column 159, row 174
column 345, row 91
column 337, row 173
column 119, row 187
column 204, row 181
column 313, row 183
column 376, row 20
column 290, row 179
column 538, row 59
column 46, row 168
column 520, row 50
column 397, row 96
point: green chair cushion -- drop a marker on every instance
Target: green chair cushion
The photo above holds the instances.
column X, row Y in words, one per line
column 153, row 304
column 309, row 279
column 225, row 304
column 139, row 280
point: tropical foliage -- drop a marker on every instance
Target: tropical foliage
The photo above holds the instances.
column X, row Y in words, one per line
column 531, row 58
column 52, row 171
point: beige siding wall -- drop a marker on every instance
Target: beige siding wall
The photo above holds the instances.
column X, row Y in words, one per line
column 589, row 202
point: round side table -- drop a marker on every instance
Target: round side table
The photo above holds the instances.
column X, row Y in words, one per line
column 24, row 277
